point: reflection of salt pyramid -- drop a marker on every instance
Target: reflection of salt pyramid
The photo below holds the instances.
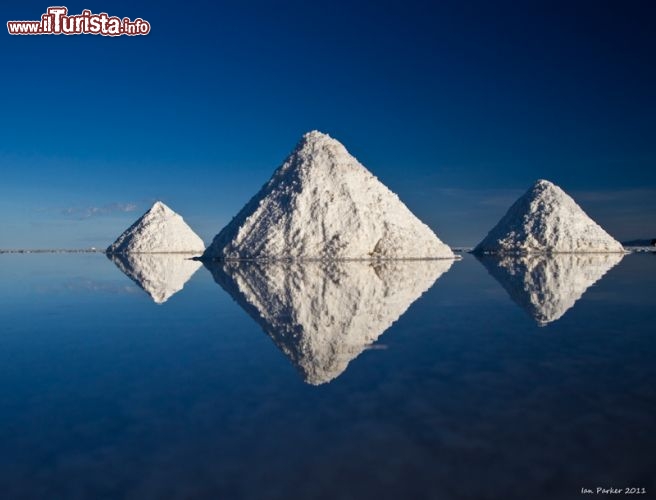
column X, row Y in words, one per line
column 160, row 230
column 547, row 220
column 323, row 204
column 547, row 286
column 159, row 275
column 323, row 315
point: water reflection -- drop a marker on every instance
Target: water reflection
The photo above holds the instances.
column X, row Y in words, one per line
column 159, row 275
column 323, row 315
column 547, row 286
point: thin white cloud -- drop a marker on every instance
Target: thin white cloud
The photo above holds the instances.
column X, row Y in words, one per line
column 487, row 198
column 616, row 195
column 93, row 211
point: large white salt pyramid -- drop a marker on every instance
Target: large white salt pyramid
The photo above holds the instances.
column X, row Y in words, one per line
column 323, row 204
column 160, row 275
column 322, row 315
column 159, row 230
column 547, row 220
column 547, row 286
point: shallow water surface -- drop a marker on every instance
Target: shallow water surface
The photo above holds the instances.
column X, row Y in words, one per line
column 141, row 378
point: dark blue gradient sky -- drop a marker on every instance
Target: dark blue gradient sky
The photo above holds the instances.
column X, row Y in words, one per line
column 456, row 106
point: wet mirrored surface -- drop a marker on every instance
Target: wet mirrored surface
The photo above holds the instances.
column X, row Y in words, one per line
column 547, row 286
column 323, row 315
column 159, row 275
column 523, row 379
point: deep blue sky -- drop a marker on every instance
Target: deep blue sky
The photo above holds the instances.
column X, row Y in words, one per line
column 456, row 106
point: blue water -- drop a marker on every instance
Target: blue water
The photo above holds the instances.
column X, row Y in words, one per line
column 106, row 394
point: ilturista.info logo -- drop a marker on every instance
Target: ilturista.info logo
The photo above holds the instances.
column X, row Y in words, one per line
column 56, row 21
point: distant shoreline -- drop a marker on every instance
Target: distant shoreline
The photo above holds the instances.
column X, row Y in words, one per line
column 630, row 248
column 52, row 250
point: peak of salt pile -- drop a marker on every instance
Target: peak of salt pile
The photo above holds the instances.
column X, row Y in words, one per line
column 160, row 275
column 547, row 220
column 159, row 230
column 547, row 286
column 322, row 315
column 323, row 204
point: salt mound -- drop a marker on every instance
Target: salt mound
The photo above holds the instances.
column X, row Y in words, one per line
column 324, row 314
column 160, row 275
column 323, row 204
column 159, row 230
column 547, row 220
column 547, row 286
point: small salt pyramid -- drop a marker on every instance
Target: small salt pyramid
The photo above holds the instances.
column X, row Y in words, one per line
column 159, row 230
column 322, row 204
column 547, row 220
